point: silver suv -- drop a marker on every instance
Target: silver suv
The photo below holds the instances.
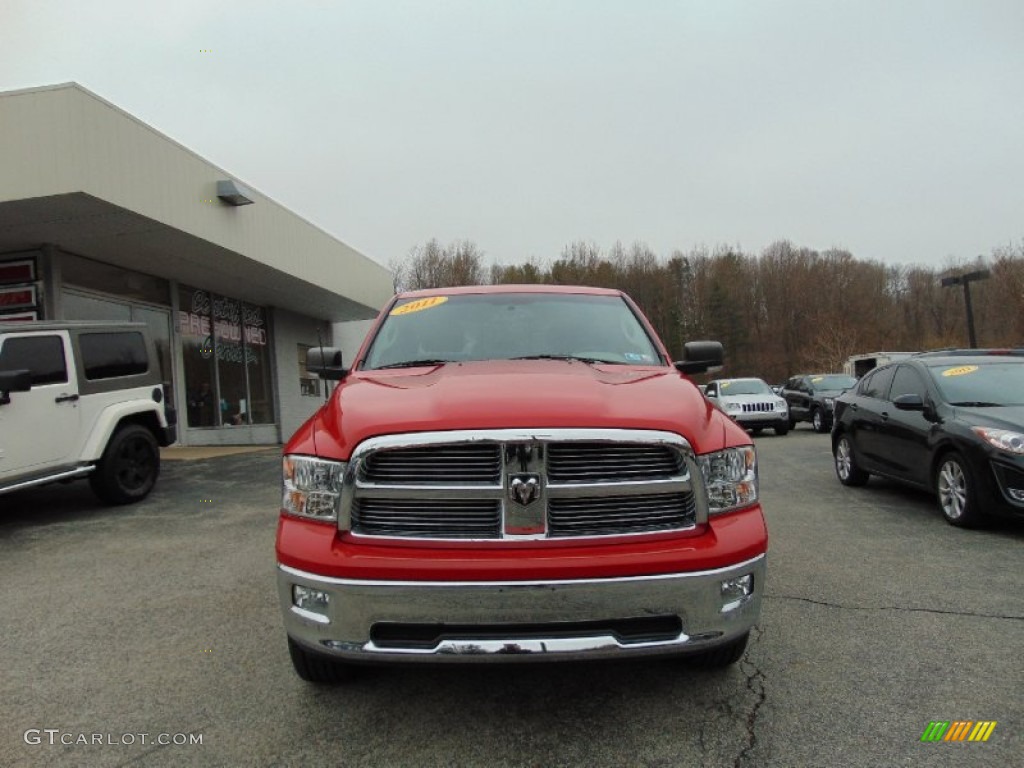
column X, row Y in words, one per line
column 751, row 403
column 81, row 399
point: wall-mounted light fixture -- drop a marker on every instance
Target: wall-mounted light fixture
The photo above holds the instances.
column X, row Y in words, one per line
column 233, row 193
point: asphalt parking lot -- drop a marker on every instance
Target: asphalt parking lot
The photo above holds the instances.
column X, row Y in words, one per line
column 162, row 619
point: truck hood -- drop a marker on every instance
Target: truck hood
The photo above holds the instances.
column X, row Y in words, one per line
column 516, row 394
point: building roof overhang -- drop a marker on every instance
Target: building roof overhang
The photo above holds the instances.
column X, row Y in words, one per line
column 90, row 179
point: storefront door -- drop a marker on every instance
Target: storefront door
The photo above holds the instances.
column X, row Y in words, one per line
column 88, row 306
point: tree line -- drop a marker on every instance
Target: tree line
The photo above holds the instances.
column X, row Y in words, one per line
column 782, row 311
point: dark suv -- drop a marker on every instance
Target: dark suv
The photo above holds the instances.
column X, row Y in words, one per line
column 810, row 397
column 951, row 422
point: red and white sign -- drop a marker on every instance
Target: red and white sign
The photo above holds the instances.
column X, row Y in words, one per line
column 17, row 298
column 18, row 317
column 20, row 271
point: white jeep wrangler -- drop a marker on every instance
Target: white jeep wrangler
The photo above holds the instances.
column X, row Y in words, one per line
column 82, row 399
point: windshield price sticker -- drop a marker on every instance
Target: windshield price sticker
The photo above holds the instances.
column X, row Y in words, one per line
column 816, row 379
column 960, row 371
column 419, row 305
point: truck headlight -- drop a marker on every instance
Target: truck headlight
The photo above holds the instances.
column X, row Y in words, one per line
column 830, row 403
column 780, row 405
column 730, row 477
column 312, row 487
column 733, row 407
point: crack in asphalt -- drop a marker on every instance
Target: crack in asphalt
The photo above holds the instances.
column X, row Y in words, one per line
column 756, row 685
column 906, row 609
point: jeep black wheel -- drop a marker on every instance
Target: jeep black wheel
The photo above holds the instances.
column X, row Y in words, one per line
column 129, row 467
column 723, row 655
column 317, row 668
column 781, row 429
column 846, row 465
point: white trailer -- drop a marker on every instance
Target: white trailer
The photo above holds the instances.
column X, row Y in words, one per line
column 858, row 365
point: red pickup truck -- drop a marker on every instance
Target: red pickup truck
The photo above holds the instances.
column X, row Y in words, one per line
column 512, row 473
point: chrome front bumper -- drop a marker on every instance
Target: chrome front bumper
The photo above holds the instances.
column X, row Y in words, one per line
column 344, row 630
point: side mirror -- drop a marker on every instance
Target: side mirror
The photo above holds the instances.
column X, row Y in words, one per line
column 325, row 362
column 909, row 403
column 14, row 381
column 914, row 402
column 700, row 357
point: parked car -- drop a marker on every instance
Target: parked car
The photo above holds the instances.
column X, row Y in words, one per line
column 82, row 400
column 811, row 397
column 751, row 403
column 517, row 473
column 951, row 422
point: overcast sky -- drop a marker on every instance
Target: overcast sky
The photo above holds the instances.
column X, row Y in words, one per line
column 892, row 129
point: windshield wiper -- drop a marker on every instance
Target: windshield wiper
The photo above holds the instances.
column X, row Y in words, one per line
column 411, row 364
column 588, row 360
column 976, row 404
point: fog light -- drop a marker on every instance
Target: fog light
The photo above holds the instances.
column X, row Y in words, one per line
column 310, row 603
column 736, row 591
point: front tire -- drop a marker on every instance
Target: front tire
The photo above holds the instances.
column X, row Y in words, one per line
column 818, row 421
column 129, row 467
column 782, row 429
column 957, row 492
column 846, row 465
column 316, row 668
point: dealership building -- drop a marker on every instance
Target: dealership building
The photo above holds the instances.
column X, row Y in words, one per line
column 103, row 217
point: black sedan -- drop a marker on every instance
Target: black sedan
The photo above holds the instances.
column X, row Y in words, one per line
column 951, row 422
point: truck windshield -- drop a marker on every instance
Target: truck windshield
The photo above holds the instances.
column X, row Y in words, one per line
column 509, row 326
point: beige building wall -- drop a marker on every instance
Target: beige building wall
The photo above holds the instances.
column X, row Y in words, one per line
column 64, row 139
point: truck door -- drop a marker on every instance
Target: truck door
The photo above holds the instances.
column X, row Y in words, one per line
column 38, row 427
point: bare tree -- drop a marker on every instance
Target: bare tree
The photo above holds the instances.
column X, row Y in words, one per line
column 434, row 266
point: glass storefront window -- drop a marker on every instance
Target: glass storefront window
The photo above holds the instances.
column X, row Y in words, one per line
column 196, row 332
column 226, row 349
column 257, row 361
column 227, row 333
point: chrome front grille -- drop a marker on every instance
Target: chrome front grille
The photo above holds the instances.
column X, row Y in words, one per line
column 758, row 407
column 612, row 462
column 469, row 463
column 522, row 485
column 428, row 518
column 600, row 516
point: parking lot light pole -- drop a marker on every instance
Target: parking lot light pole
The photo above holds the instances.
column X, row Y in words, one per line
column 965, row 281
